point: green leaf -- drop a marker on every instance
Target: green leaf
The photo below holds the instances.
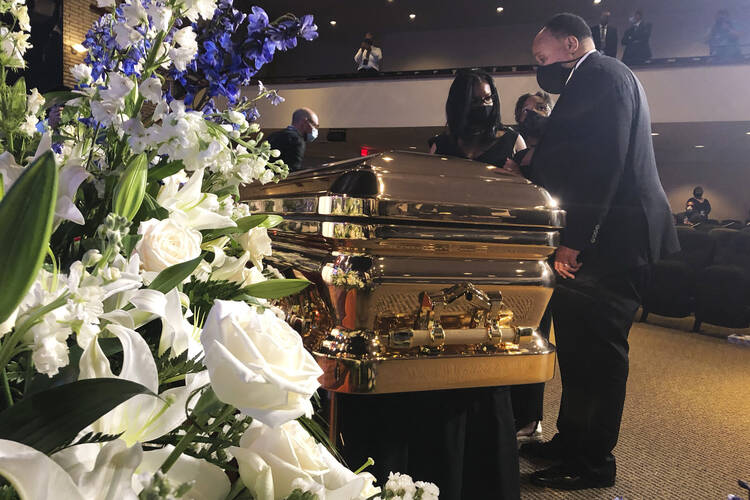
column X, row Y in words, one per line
column 275, row 289
column 26, row 214
column 52, row 418
column 131, row 188
column 58, row 97
column 163, row 170
column 129, row 242
column 150, row 209
column 174, row 275
column 244, row 225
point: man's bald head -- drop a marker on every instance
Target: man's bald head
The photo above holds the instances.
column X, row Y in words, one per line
column 304, row 120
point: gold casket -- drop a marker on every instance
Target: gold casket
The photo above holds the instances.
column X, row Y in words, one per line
column 428, row 272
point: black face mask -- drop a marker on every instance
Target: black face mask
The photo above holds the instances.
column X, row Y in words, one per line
column 552, row 77
column 533, row 125
column 479, row 118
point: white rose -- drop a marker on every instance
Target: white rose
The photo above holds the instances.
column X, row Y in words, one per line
column 275, row 461
column 257, row 363
column 257, row 243
column 165, row 243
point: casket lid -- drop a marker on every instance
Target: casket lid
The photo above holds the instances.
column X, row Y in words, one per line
column 403, row 186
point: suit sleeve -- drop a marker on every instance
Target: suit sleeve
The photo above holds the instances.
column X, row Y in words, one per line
column 296, row 154
column 598, row 161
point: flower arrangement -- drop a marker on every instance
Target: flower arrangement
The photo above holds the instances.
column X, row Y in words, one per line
column 140, row 356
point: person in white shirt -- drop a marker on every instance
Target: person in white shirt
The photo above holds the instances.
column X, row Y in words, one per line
column 368, row 57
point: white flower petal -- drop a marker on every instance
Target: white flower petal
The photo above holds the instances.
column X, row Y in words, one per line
column 34, row 475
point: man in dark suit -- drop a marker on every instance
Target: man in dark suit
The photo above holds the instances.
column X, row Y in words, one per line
column 597, row 159
column 605, row 36
column 292, row 140
column 637, row 41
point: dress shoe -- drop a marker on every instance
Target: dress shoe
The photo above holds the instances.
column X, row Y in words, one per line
column 550, row 451
column 560, row 477
column 530, row 433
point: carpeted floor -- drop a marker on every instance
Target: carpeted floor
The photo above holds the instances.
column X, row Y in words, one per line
column 686, row 427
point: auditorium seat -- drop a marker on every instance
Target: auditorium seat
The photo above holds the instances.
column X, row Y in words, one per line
column 732, row 224
column 708, row 225
column 671, row 291
column 723, row 288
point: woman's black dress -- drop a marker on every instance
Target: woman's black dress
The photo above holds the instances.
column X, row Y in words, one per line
column 463, row 440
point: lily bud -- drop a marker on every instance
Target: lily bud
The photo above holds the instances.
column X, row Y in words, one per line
column 131, row 189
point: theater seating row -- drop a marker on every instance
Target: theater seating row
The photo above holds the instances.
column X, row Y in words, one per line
column 709, row 278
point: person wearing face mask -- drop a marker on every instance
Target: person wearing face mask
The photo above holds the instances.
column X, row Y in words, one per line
column 531, row 113
column 292, row 141
column 605, row 36
column 596, row 158
column 474, row 128
column 637, row 41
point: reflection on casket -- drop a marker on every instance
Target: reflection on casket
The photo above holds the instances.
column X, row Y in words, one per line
column 428, row 272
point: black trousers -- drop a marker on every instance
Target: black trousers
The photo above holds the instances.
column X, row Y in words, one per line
column 462, row 440
column 528, row 399
column 592, row 316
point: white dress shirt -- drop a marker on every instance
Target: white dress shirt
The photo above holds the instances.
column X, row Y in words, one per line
column 580, row 61
column 372, row 60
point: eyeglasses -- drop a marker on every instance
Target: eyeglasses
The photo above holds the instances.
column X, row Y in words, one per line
column 541, row 107
column 314, row 124
column 482, row 100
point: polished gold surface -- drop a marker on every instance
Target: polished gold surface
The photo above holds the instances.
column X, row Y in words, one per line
column 426, row 273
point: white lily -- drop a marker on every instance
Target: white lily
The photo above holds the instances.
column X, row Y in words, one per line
column 209, row 481
column 177, row 332
column 143, row 417
column 201, row 210
column 9, row 170
column 35, row 476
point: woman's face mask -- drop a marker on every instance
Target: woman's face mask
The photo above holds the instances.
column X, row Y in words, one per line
column 478, row 120
column 533, row 124
column 552, row 77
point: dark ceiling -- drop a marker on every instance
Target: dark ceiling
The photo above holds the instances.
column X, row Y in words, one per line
column 383, row 16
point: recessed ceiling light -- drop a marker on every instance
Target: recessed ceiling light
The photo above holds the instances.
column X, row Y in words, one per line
column 699, row 146
column 597, row 2
column 412, row 147
column 412, row 16
column 333, row 23
column 747, row 133
column 500, row 9
column 655, row 133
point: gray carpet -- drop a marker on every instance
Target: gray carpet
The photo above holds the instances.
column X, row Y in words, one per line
column 686, row 427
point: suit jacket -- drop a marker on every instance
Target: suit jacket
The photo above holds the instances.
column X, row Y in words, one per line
column 637, row 43
column 597, row 159
column 610, row 48
column 292, row 146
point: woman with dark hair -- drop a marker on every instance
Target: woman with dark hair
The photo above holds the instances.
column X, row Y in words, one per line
column 474, row 128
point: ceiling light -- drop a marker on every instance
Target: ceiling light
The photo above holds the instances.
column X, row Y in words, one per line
column 77, row 47
column 699, row 146
column 333, row 23
column 654, row 133
column 597, row 2
column 412, row 16
column 412, row 147
column 500, row 9
column 747, row 133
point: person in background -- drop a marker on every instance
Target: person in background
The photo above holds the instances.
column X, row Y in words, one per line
column 637, row 41
column 474, row 128
column 531, row 113
column 605, row 36
column 292, row 140
column 369, row 57
column 697, row 208
column 723, row 39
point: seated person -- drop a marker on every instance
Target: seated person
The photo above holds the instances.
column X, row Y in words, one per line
column 292, row 140
column 697, row 208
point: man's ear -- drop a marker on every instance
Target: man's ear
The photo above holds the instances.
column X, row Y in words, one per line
column 572, row 44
